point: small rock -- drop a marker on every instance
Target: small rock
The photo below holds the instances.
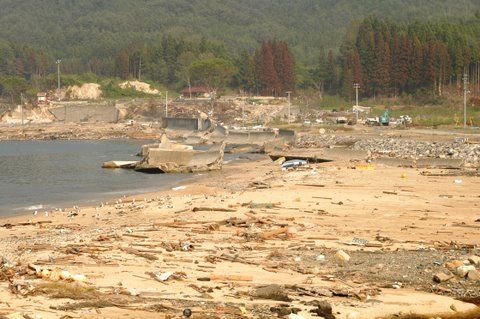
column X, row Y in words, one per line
column 187, row 313
column 441, row 277
column 284, row 310
column 454, row 264
column 353, row 315
column 473, row 275
column 324, row 309
column 474, row 260
column 273, row 292
column 462, row 271
column 342, row 257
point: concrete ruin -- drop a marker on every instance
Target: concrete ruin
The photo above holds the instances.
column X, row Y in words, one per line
column 85, row 112
column 255, row 141
column 184, row 123
column 170, row 157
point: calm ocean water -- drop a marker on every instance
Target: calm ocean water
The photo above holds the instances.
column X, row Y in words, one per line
column 40, row 175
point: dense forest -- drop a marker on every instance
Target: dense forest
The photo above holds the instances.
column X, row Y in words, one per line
column 389, row 47
column 82, row 30
column 388, row 58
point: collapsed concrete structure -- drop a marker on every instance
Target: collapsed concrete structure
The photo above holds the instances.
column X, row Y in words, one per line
column 261, row 140
column 256, row 141
column 184, row 123
column 171, row 157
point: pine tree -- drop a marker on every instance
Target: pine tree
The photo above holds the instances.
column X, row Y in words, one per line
column 416, row 67
column 429, row 65
column 123, row 65
column 245, row 76
column 404, row 60
column 381, row 72
column 265, row 73
column 331, row 74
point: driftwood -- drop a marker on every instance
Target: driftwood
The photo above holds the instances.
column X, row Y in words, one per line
column 212, row 209
column 41, row 222
column 138, row 253
column 311, row 185
column 273, row 233
column 390, row 193
column 226, row 278
column 135, row 236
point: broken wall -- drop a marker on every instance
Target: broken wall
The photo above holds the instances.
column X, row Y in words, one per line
column 184, row 123
column 86, row 113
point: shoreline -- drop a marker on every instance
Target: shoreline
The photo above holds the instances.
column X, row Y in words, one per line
column 187, row 181
column 251, row 225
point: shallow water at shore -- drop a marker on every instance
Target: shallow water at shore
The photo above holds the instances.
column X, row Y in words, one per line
column 40, row 175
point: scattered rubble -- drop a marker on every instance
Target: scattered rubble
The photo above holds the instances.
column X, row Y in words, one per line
column 405, row 148
column 397, row 147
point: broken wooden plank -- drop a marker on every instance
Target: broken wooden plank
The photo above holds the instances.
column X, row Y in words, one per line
column 226, row 278
column 136, row 252
column 311, row 185
column 212, row 209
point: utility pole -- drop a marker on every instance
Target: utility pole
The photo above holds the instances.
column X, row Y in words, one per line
column 465, row 84
column 356, row 86
column 289, row 105
column 58, row 78
column 166, row 103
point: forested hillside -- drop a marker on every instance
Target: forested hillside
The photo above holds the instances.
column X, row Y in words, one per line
column 82, row 29
column 389, row 47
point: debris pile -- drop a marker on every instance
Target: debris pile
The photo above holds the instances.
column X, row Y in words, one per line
column 458, row 148
column 403, row 148
column 324, row 140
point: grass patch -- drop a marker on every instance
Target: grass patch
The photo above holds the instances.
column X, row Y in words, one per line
column 434, row 115
column 112, row 90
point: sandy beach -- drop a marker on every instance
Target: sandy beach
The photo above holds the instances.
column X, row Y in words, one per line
column 211, row 246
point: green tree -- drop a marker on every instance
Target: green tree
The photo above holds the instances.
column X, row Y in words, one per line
column 214, row 73
column 13, row 86
column 185, row 60
column 245, row 77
